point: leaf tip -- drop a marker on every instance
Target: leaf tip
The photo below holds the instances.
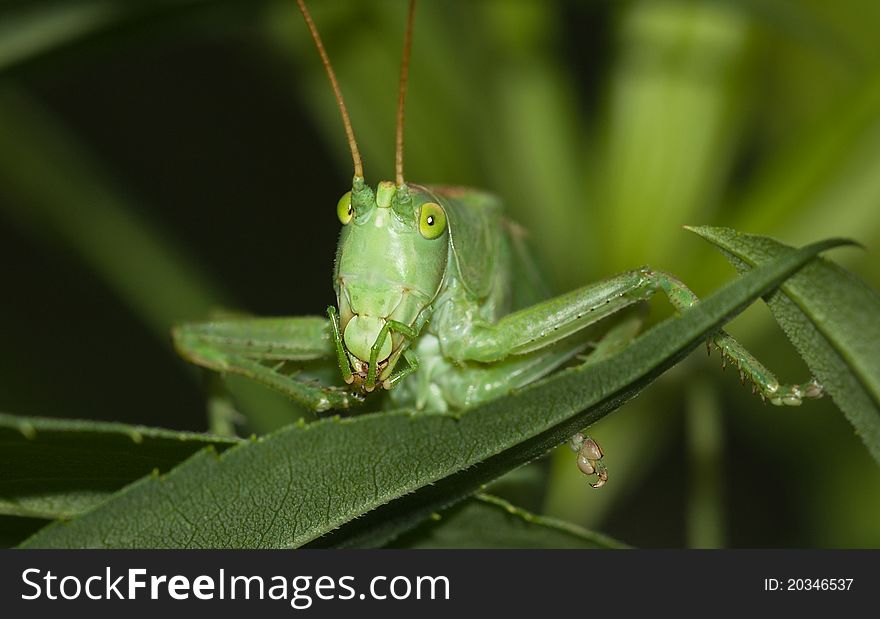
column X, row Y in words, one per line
column 702, row 231
column 834, row 243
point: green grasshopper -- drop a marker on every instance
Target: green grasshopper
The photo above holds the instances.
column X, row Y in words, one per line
column 424, row 280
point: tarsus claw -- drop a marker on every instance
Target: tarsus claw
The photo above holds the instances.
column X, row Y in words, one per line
column 602, row 474
column 589, row 458
column 793, row 395
column 814, row 389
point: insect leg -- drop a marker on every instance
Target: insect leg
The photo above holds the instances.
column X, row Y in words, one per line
column 480, row 382
column 616, row 338
column 762, row 379
column 589, row 458
column 492, row 380
column 550, row 321
column 300, row 338
column 589, row 453
column 258, row 348
column 543, row 324
column 412, row 361
column 387, row 328
column 341, row 357
column 315, row 397
column 466, row 385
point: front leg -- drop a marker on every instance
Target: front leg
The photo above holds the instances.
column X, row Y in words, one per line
column 258, row 348
column 764, row 382
column 548, row 322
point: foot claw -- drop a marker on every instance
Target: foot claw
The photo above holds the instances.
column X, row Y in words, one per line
column 602, row 474
column 589, row 459
column 814, row 389
column 790, row 395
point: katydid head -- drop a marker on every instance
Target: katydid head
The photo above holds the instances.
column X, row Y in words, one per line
column 392, row 252
column 390, row 264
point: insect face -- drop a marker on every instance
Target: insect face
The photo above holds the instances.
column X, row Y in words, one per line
column 390, row 263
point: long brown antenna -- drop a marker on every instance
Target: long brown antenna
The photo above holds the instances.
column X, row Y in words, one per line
column 401, row 97
column 349, row 132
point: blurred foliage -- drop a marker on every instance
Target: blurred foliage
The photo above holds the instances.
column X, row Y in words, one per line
column 161, row 158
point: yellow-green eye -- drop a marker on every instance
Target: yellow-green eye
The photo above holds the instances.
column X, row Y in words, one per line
column 343, row 208
column 432, row 220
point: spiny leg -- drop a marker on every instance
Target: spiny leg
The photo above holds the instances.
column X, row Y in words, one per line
column 764, row 382
column 245, row 346
column 390, row 326
column 315, row 397
column 543, row 324
column 412, row 365
column 387, row 328
column 341, row 356
column 483, row 382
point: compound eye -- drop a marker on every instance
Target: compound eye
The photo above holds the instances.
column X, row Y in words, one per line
column 432, row 220
column 343, row 208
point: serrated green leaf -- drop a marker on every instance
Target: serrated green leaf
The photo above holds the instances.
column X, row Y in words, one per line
column 833, row 319
column 394, row 468
column 58, row 469
column 486, row 521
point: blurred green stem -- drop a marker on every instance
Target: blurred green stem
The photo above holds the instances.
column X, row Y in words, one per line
column 59, row 194
column 705, row 447
column 221, row 409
